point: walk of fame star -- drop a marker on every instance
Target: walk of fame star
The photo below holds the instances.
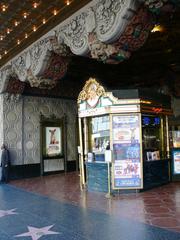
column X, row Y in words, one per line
column 36, row 233
column 7, row 212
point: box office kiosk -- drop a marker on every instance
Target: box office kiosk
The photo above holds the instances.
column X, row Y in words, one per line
column 124, row 142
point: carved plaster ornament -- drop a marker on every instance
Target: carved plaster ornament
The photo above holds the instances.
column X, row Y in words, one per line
column 112, row 16
column 91, row 92
column 14, row 98
column 40, row 82
column 19, row 67
column 59, row 47
column 75, row 36
column 5, row 75
column 106, row 52
column 90, row 21
column 155, row 5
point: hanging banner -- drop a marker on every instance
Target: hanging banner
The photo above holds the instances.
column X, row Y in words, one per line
column 127, row 162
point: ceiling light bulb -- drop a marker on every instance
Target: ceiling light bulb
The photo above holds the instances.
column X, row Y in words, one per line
column 18, row 41
column 34, row 28
column 4, row 7
column 55, row 12
column 68, row 2
column 35, row 5
column 8, row 31
column 5, row 52
column 44, row 20
column 1, row 37
column 25, row 15
column 157, row 28
column 16, row 23
column 26, row 36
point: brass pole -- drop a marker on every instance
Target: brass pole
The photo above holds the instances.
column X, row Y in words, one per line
column 167, row 137
column 82, row 178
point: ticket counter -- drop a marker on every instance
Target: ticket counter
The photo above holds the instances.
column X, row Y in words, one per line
column 123, row 138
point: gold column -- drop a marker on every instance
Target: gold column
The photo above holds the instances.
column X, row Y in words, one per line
column 81, row 166
column 167, row 137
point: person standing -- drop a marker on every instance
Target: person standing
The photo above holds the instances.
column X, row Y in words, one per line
column 5, row 164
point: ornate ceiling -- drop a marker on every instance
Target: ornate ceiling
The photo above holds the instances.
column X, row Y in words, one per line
column 23, row 22
column 109, row 31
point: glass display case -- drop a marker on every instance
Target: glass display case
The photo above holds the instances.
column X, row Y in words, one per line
column 152, row 137
column 99, row 136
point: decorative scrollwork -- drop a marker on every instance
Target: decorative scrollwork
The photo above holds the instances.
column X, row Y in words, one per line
column 92, row 87
column 75, row 35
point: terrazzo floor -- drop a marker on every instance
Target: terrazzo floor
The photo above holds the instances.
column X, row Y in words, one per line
column 53, row 207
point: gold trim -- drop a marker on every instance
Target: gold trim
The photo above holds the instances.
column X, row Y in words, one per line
column 85, row 93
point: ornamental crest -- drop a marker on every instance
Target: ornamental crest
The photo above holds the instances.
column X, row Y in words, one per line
column 91, row 92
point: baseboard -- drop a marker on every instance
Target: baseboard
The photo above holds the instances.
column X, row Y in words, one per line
column 24, row 171
column 34, row 170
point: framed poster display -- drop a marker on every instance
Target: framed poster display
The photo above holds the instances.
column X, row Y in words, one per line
column 176, row 160
column 53, row 136
column 53, row 145
column 127, row 157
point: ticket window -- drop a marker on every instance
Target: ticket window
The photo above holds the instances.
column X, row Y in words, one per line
column 99, row 135
column 152, row 138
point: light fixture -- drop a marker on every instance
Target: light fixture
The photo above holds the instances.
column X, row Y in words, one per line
column 25, row 15
column 35, row 5
column 18, row 41
column 5, row 52
column 34, row 28
column 4, row 7
column 16, row 23
column 55, row 12
column 8, row 30
column 1, row 37
column 44, row 21
column 158, row 28
column 68, row 2
column 26, row 36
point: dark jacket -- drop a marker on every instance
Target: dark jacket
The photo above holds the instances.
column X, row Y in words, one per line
column 5, row 161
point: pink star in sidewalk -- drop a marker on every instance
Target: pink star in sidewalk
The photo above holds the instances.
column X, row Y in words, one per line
column 36, row 233
column 7, row 212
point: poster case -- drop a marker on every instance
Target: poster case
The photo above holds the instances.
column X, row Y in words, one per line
column 176, row 161
column 127, row 166
column 53, row 141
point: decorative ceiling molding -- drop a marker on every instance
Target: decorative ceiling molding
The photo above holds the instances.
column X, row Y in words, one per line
column 112, row 17
column 108, row 30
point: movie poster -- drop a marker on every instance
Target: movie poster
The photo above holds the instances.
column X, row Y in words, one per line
column 176, row 160
column 127, row 166
column 53, row 141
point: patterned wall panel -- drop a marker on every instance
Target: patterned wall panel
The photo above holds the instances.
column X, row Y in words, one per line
column 33, row 107
column 21, row 126
column 1, row 120
column 12, row 126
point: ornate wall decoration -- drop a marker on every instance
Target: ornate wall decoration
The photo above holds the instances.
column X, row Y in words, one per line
column 92, row 89
column 112, row 16
column 137, row 31
column 5, row 74
column 108, row 53
column 109, row 30
column 19, row 67
column 57, row 67
column 40, row 82
column 15, row 86
column 75, row 35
